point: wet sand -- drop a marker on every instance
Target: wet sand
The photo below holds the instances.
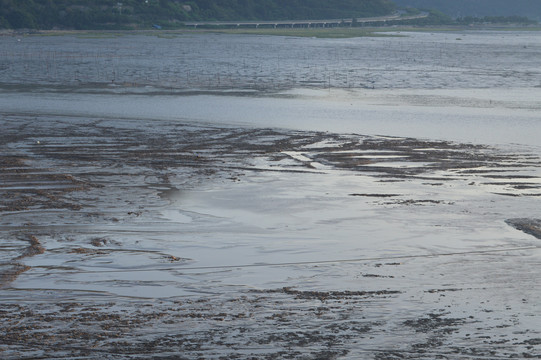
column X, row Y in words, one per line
column 125, row 239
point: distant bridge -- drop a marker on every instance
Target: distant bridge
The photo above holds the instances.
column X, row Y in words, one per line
column 305, row 23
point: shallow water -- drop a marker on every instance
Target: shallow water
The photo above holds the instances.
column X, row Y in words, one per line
column 472, row 86
column 509, row 116
column 469, row 59
column 254, row 196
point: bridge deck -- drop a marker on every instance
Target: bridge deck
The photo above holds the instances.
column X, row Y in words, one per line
column 308, row 23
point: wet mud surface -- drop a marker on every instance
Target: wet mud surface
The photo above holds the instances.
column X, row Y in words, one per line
column 82, row 224
column 152, row 208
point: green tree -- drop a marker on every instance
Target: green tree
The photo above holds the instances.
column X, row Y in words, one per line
column 19, row 19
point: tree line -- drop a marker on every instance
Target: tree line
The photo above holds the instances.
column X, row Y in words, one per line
column 436, row 17
column 134, row 14
column 479, row 8
column 514, row 19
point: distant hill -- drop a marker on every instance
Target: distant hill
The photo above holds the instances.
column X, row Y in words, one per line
column 133, row 14
column 479, row 8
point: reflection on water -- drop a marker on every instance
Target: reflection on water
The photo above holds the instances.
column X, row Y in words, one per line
column 386, row 112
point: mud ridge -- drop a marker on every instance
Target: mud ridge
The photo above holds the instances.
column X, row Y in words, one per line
column 529, row 226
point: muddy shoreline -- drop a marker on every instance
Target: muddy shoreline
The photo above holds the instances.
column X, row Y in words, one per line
column 79, row 197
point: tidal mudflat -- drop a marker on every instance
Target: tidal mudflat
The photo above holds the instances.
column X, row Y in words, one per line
column 154, row 218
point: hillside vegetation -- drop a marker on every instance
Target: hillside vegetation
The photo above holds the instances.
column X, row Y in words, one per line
column 479, row 8
column 133, row 14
